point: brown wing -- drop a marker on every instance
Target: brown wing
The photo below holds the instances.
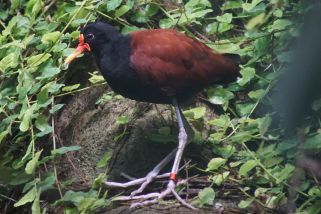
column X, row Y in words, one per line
column 172, row 61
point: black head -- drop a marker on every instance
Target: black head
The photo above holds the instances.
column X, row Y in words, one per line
column 98, row 34
column 94, row 37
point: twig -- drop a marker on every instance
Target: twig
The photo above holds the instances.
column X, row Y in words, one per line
column 54, row 147
column 7, row 197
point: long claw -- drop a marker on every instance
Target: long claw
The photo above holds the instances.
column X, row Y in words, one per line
column 153, row 198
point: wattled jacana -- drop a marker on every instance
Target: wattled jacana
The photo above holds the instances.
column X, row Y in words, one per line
column 156, row 66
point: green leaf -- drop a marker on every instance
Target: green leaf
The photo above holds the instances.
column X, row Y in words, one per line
column 315, row 208
column 260, row 191
column 195, row 113
column 15, row 43
column 245, row 203
column 220, row 178
column 257, row 94
column 247, row 74
column 36, row 60
column 226, row 18
column 241, row 136
column 197, row 14
column 144, row 15
column 11, row 176
column 48, row 70
column 122, row 11
column 231, row 5
column 54, row 87
column 12, row 23
column 104, row 159
column 197, row 4
column 70, row 87
column 65, row 149
column 255, row 21
column 25, row 123
column 51, row 37
column 225, row 46
column 286, row 173
column 32, row 164
column 48, row 73
column 48, row 182
column 9, row 61
column 206, row 196
column 122, row 120
column 278, row 13
column 28, row 197
column 96, row 77
column 166, row 23
column 263, row 124
column 27, row 40
column 315, row 191
column 77, row 197
column 249, row 6
column 226, row 151
column 281, row 24
column 113, row 4
column 15, row 5
column 42, row 124
column 246, row 167
column 222, row 121
column 244, row 109
column 215, row 163
column 74, row 197
column 99, row 181
column 217, row 27
column 35, row 208
column 220, row 96
column 56, row 108
column 313, row 142
column 3, row 134
column 33, row 7
column 43, row 97
column 104, row 98
column 216, row 137
column 26, row 155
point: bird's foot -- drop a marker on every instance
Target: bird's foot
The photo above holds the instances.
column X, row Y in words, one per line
column 150, row 177
column 133, row 182
column 153, row 198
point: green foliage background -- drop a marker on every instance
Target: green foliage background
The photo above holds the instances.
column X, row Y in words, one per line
column 35, row 39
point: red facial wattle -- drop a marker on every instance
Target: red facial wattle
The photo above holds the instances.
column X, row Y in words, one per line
column 81, row 48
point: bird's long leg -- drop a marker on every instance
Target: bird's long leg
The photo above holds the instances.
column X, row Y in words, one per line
column 182, row 141
column 152, row 198
column 179, row 151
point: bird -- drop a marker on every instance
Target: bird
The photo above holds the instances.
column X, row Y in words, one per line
column 161, row 66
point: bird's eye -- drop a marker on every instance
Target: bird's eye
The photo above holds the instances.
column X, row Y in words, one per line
column 90, row 36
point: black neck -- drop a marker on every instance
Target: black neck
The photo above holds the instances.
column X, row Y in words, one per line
column 113, row 58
